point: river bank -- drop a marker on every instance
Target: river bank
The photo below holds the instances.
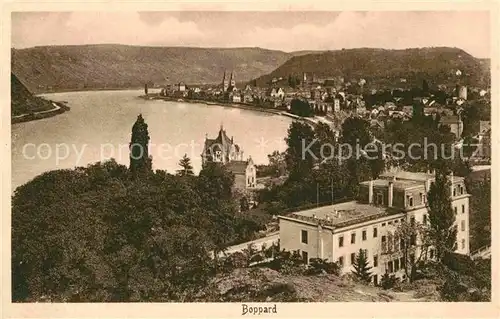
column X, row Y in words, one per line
column 243, row 106
column 59, row 108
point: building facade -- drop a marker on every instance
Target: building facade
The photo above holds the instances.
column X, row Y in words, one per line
column 225, row 151
column 339, row 231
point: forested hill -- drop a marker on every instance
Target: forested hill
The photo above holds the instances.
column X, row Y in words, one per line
column 123, row 66
column 22, row 101
column 380, row 67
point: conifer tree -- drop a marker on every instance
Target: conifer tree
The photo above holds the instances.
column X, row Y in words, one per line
column 443, row 231
column 186, row 167
column 139, row 153
column 361, row 267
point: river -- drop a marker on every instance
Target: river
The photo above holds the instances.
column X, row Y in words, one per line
column 99, row 125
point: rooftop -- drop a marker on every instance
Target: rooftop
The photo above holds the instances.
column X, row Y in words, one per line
column 342, row 214
column 404, row 175
column 398, row 184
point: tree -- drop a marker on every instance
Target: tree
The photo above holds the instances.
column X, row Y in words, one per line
column 301, row 108
column 443, row 232
column 425, row 87
column 244, row 205
column 361, row 267
column 277, row 163
column 139, row 143
column 187, row 168
column 299, row 160
column 480, row 213
column 414, row 244
column 116, row 238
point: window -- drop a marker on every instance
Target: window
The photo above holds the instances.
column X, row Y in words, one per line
column 380, row 199
column 425, row 218
column 455, row 209
column 383, row 224
column 409, row 200
column 402, row 219
column 413, row 240
column 341, row 261
column 353, row 238
column 431, row 253
column 402, row 243
column 396, row 221
column 363, row 235
column 462, row 225
column 384, row 244
column 396, row 243
column 463, row 243
column 396, row 265
column 341, row 241
column 402, row 262
column 423, row 198
column 412, row 220
column 390, row 223
column 375, row 232
column 353, row 258
column 375, row 261
column 303, row 236
column 390, row 267
column 463, row 209
column 454, row 191
column 305, row 257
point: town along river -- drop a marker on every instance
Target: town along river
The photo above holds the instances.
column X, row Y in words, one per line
column 99, row 127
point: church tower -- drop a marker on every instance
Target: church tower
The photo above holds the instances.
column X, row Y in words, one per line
column 225, row 82
column 232, row 81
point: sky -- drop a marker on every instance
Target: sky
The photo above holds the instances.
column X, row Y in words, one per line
column 286, row 31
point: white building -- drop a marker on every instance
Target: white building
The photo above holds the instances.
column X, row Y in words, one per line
column 337, row 232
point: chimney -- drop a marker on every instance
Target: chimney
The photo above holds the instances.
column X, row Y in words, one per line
column 391, row 192
column 370, row 192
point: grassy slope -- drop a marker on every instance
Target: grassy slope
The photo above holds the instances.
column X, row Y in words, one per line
column 385, row 67
column 115, row 66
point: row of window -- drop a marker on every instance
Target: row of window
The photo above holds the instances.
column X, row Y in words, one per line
column 364, row 234
column 340, row 260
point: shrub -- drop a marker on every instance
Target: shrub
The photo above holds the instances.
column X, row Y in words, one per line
column 318, row 265
column 388, row 281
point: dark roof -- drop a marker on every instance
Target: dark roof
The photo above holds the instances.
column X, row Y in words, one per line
column 237, row 167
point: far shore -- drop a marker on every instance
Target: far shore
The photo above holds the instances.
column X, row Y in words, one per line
column 244, row 106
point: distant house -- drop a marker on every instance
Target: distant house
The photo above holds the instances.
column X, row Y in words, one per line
column 245, row 173
column 408, row 109
column 336, row 105
column 247, row 97
column 276, row 93
column 181, row 87
column 454, row 122
column 235, row 97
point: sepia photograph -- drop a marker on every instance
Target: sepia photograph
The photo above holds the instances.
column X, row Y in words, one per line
column 250, row 157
